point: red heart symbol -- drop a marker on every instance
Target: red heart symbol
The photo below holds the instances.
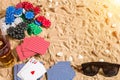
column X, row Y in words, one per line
column 32, row 72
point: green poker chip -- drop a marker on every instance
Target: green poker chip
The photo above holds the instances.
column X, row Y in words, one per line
column 29, row 31
column 33, row 29
column 37, row 30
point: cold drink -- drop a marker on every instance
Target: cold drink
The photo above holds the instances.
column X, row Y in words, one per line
column 6, row 56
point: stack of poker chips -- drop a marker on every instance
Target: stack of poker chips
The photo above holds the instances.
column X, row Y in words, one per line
column 24, row 17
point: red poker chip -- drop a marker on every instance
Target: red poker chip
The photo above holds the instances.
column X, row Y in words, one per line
column 46, row 23
column 28, row 6
column 19, row 5
column 40, row 18
column 24, row 3
column 36, row 10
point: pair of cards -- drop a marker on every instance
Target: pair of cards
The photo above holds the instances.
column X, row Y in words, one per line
column 32, row 70
column 31, row 46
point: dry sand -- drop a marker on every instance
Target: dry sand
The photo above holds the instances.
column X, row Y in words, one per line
column 83, row 30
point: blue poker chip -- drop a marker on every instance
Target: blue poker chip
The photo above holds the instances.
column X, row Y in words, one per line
column 10, row 9
column 29, row 15
column 18, row 11
column 37, row 23
column 9, row 19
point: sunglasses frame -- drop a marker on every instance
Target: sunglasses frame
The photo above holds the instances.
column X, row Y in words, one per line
column 99, row 65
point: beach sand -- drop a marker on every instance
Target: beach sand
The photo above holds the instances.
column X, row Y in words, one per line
column 81, row 31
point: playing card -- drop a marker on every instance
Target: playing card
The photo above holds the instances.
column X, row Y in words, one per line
column 27, row 53
column 33, row 71
column 38, row 45
column 17, row 68
column 61, row 71
column 20, row 53
column 25, row 67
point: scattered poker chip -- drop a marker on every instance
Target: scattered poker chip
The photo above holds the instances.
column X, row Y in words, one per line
column 29, row 31
column 10, row 9
column 19, row 5
column 24, row 12
column 46, row 23
column 29, row 15
column 36, row 10
column 40, row 18
column 37, row 30
column 9, row 20
column 18, row 12
column 29, row 21
column 4, row 27
column 28, row 6
column 18, row 20
column 37, row 23
column 33, row 29
column 18, row 31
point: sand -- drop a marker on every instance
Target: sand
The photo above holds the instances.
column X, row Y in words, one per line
column 81, row 31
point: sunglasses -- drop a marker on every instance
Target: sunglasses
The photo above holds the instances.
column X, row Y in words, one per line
column 92, row 68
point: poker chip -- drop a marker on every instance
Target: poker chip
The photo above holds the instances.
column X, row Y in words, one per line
column 29, row 31
column 18, row 20
column 4, row 28
column 37, row 30
column 33, row 29
column 29, row 15
column 19, row 5
column 36, row 10
column 25, row 12
column 18, row 12
column 9, row 19
column 46, row 23
column 10, row 9
column 37, row 23
column 28, row 6
column 29, row 21
column 40, row 18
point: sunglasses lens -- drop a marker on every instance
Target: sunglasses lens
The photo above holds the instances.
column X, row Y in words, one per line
column 110, row 70
column 90, row 70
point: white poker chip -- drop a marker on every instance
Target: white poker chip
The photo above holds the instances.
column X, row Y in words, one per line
column 4, row 28
column 24, row 11
column 2, row 19
column 13, row 25
column 18, row 15
column 18, row 20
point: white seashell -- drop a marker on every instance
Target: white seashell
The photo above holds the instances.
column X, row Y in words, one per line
column 109, row 14
column 50, row 5
column 70, row 58
column 50, row 0
column 114, row 25
column 107, row 51
column 59, row 54
column 101, row 60
column 80, row 57
column 47, row 14
column 56, row 3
